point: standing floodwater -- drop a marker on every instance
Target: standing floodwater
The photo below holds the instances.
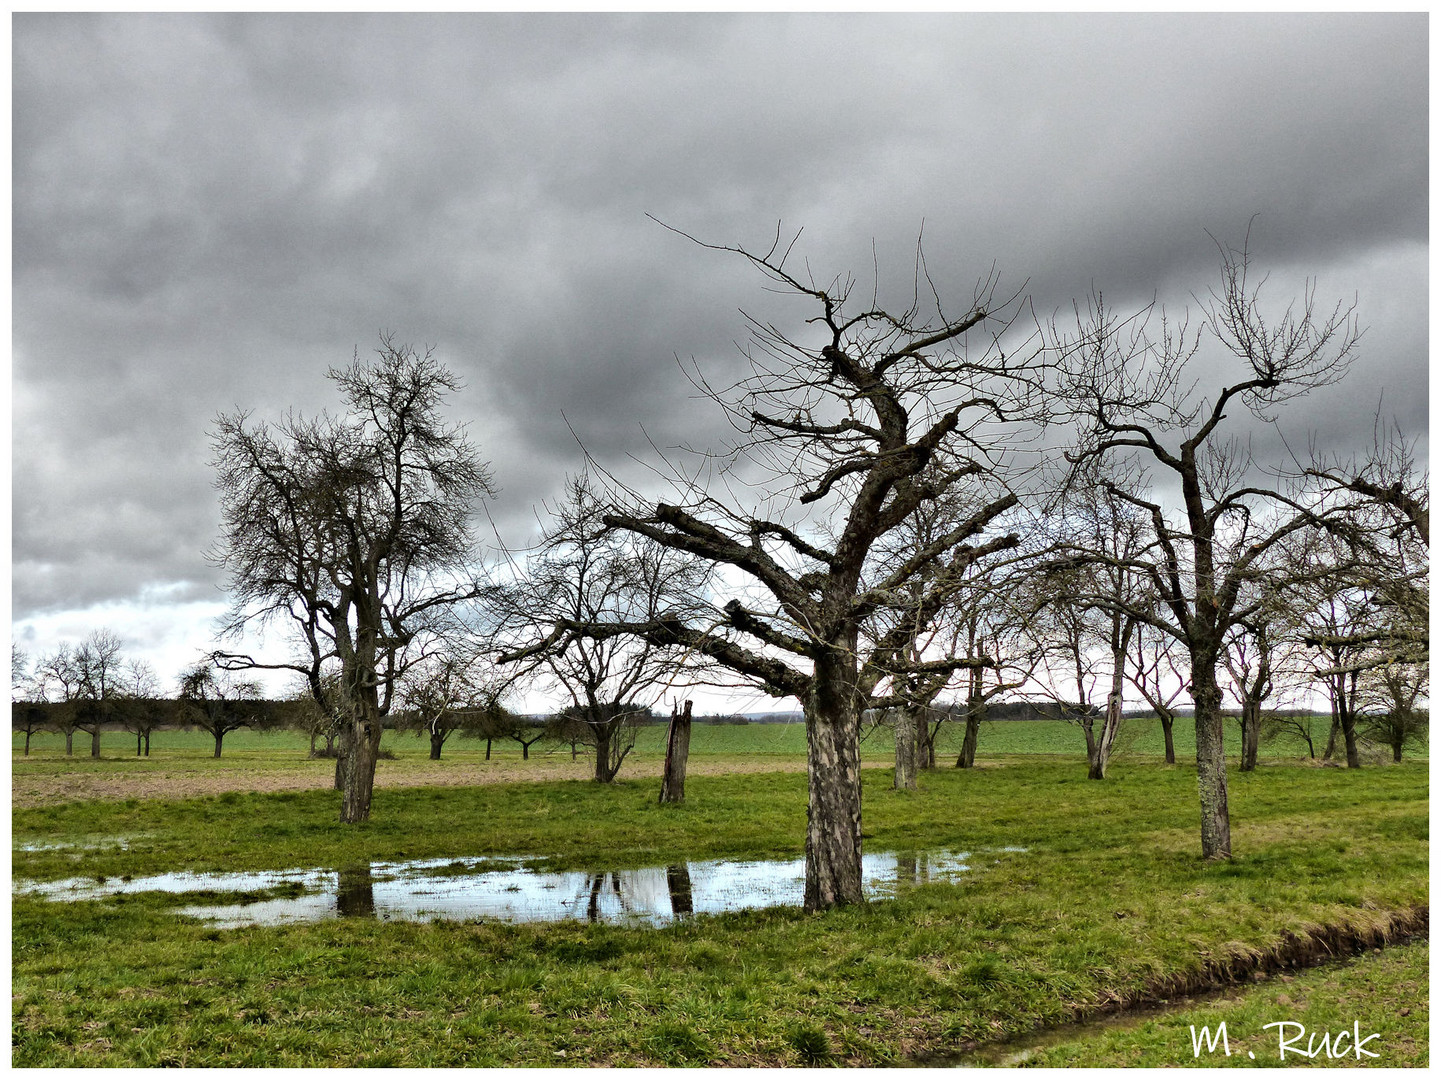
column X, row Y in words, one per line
column 504, row 889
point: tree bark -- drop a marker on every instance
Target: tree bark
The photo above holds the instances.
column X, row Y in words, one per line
column 1210, row 760
column 95, row 742
column 70, row 742
column 677, row 750
column 437, row 740
column 1335, row 728
column 342, row 758
column 1088, row 725
column 604, row 774
column 833, row 811
column 1250, row 734
column 1110, row 726
column 905, row 779
column 219, row 738
column 975, row 713
column 1166, row 721
column 926, row 756
column 137, row 744
column 360, row 773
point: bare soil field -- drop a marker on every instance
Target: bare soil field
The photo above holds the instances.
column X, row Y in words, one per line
column 40, row 789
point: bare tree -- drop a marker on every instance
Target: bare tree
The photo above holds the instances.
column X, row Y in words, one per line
column 21, row 679
column 838, row 425
column 1158, row 672
column 100, row 667
column 1096, row 592
column 28, row 713
column 218, row 702
column 517, row 729
column 1391, row 715
column 1340, row 624
column 934, row 615
column 57, row 678
column 452, row 689
column 1389, row 476
column 1133, row 394
column 141, row 709
column 354, row 531
column 585, row 575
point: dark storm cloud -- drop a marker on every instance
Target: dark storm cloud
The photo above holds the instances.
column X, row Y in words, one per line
column 209, row 211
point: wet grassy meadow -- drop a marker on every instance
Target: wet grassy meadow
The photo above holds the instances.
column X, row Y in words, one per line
column 1075, row 897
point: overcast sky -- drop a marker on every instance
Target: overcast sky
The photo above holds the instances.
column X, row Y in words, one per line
column 211, row 210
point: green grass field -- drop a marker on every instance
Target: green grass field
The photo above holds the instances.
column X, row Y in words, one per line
column 1139, row 738
column 1108, row 901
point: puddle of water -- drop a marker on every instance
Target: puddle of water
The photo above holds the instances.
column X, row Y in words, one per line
column 445, row 889
column 121, row 842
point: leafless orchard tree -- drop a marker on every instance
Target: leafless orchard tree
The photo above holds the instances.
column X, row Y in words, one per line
column 21, row 679
column 991, row 624
column 452, row 688
column 585, row 575
column 27, row 713
column 927, row 621
column 838, row 424
column 1387, row 555
column 1133, row 395
column 100, row 669
column 141, row 708
column 1158, row 670
column 354, row 532
column 1390, row 704
column 218, row 701
column 1388, row 475
column 57, row 679
column 1093, row 591
column 1341, row 624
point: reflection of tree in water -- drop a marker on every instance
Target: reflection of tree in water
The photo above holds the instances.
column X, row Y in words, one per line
column 355, row 892
column 677, row 880
column 909, row 868
column 632, row 895
column 597, row 886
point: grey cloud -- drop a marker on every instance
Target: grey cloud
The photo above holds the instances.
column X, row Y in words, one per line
column 210, row 210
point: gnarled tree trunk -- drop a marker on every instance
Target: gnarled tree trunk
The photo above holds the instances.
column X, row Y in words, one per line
column 1210, row 759
column 359, row 778
column 833, row 811
column 975, row 713
column 1250, row 734
column 1167, row 721
column 905, row 779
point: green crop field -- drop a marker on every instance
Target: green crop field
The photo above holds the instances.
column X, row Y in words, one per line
column 1076, row 895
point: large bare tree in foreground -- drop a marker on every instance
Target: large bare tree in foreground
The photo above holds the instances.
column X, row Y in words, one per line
column 1134, row 394
column 353, row 531
column 839, row 423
